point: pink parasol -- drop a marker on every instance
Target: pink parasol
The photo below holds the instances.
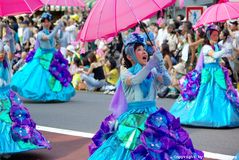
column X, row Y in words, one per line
column 15, row 7
column 72, row 3
column 220, row 12
column 108, row 17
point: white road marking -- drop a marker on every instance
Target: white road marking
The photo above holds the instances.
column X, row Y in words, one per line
column 216, row 156
column 65, row 131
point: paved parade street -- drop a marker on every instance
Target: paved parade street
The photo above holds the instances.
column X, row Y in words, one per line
column 78, row 119
column 62, row 62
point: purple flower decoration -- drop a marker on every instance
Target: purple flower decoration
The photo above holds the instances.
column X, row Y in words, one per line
column 183, row 82
column 179, row 151
column 227, row 76
column 231, row 93
column 99, row 138
column 12, row 94
column 20, row 115
column 59, row 69
column 158, row 145
column 160, row 120
column 194, row 75
column 30, row 56
column 21, row 132
column 182, row 137
column 142, row 153
column 190, row 85
column 107, row 128
column 38, row 139
column 153, row 139
column 23, row 127
column 92, row 148
column 108, row 124
column 164, row 139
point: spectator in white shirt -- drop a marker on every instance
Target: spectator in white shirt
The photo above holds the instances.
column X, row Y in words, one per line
column 161, row 33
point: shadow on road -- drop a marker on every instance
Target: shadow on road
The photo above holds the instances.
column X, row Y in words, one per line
column 63, row 148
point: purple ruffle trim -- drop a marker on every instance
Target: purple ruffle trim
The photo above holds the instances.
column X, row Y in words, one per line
column 190, row 85
column 30, row 55
column 107, row 128
column 231, row 93
column 164, row 139
column 59, row 69
column 23, row 128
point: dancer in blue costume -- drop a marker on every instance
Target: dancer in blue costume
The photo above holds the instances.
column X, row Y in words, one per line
column 137, row 129
column 208, row 98
column 45, row 76
column 17, row 130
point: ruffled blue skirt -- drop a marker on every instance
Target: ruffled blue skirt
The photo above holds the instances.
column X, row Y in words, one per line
column 211, row 107
column 33, row 81
column 143, row 132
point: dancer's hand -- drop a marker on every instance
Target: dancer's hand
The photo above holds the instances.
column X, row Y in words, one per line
column 160, row 79
column 158, row 56
column 60, row 23
column 211, row 53
column 2, row 55
column 232, row 57
column 190, row 68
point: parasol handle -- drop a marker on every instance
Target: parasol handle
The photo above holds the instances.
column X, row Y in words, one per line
column 140, row 23
column 146, row 34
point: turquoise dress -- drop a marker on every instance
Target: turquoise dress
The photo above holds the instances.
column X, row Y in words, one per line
column 142, row 131
column 17, row 130
column 45, row 76
column 211, row 101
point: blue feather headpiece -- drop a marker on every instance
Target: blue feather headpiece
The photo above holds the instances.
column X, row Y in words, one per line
column 134, row 38
column 46, row 15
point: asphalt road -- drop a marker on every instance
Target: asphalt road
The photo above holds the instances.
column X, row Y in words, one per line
column 87, row 109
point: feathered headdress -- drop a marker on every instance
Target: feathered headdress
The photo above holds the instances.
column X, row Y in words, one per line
column 130, row 42
column 135, row 38
column 46, row 15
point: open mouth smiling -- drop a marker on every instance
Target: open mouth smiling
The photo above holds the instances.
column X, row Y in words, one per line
column 145, row 58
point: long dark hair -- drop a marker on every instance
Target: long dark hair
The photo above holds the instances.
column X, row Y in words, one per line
column 41, row 27
column 127, row 63
column 226, row 34
column 92, row 57
column 113, row 63
column 165, row 49
column 77, row 61
column 201, row 33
